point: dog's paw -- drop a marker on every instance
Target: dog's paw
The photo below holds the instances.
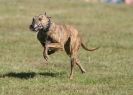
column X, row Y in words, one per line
column 45, row 57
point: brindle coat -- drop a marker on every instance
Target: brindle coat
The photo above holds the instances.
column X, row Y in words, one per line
column 55, row 37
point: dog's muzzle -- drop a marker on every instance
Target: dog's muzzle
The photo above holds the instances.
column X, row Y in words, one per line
column 32, row 28
column 35, row 27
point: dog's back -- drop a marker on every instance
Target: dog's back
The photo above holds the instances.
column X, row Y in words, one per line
column 61, row 33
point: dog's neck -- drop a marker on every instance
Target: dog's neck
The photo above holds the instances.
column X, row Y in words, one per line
column 51, row 27
column 48, row 26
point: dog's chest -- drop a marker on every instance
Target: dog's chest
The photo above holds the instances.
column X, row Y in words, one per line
column 53, row 36
column 42, row 37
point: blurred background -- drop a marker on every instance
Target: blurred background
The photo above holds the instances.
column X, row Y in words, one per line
column 129, row 2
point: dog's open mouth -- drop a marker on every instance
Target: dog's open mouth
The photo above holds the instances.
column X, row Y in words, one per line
column 35, row 28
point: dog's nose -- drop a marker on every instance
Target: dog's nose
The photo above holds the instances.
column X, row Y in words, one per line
column 31, row 27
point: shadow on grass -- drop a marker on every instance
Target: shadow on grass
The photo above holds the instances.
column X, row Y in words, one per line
column 28, row 75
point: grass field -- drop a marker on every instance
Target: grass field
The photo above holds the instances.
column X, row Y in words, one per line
column 109, row 70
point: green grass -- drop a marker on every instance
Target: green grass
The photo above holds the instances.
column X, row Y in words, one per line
column 109, row 70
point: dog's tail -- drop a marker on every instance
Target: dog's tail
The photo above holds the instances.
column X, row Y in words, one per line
column 84, row 47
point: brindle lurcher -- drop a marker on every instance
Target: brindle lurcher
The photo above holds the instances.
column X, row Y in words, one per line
column 55, row 37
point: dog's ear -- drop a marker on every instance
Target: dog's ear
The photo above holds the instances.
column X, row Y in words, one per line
column 45, row 13
column 33, row 19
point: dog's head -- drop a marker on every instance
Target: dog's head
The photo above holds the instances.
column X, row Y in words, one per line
column 41, row 22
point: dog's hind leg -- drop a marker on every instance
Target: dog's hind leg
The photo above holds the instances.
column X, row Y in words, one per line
column 73, row 61
column 74, row 47
column 80, row 66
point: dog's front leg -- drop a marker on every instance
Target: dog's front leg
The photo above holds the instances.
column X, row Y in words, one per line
column 47, row 46
column 55, row 46
column 45, row 53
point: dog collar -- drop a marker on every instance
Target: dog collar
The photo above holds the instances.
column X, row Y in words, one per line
column 48, row 26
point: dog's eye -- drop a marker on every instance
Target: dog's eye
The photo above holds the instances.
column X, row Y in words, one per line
column 40, row 19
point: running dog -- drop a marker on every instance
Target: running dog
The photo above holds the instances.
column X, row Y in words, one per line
column 54, row 37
